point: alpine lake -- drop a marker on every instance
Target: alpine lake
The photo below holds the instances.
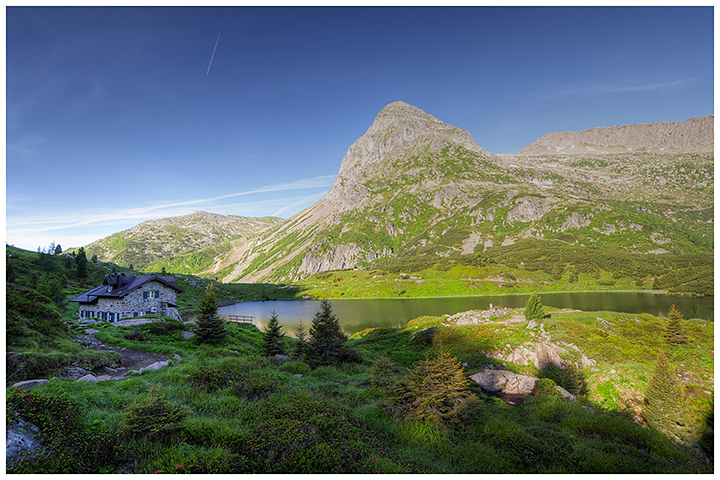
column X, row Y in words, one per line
column 355, row 315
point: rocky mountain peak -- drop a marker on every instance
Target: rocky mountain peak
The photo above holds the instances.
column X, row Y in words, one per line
column 398, row 127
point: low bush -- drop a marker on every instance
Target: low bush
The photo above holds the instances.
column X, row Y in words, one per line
column 154, row 418
column 67, row 439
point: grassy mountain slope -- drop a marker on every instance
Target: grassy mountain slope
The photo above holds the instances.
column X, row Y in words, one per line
column 413, row 186
column 196, row 243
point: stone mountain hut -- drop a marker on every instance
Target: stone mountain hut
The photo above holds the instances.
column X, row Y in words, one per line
column 125, row 297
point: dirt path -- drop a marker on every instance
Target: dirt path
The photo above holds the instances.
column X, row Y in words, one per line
column 132, row 359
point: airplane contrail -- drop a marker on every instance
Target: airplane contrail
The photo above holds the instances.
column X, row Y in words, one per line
column 216, row 44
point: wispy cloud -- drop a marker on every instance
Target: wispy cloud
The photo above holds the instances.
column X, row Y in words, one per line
column 609, row 88
column 20, row 226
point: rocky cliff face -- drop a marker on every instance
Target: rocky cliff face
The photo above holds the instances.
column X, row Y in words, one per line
column 695, row 134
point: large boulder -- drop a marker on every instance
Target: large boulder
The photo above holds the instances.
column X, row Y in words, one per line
column 28, row 384
column 502, row 381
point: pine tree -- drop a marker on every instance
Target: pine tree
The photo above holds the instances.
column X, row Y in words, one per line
column 326, row 338
column 272, row 337
column 437, row 384
column 664, row 400
column 674, row 331
column 534, row 308
column 210, row 327
column 81, row 263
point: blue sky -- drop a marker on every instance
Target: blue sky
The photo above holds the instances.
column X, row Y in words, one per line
column 116, row 115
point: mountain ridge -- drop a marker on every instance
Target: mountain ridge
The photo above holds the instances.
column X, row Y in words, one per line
column 415, row 186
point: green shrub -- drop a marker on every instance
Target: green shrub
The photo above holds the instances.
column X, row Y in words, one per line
column 295, row 367
column 534, row 308
column 256, row 385
column 72, row 446
column 546, row 386
column 168, row 327
column 383, row 370
column 209, row 379
column 154, row 418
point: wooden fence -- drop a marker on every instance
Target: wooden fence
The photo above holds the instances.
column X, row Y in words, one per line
column 240, row 318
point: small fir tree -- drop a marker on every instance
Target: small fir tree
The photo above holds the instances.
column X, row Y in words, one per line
column 272, row 337
column 534, row 308
column 326, row 338
column 664, row 400
column 382, row 372
column 58, row 249
column 301, row 345
column 674, row 331
column 210, row 326
column 438, row 386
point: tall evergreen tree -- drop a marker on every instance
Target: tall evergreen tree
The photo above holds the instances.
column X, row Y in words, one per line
column 664, row 400
column 81, row 263
column 674, row 331
column 210, row 326
column 534, row 308
column 272, row 337
column 326, row 338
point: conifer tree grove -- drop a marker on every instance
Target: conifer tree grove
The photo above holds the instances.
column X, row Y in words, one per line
column 664, row 400
column 674, row 331
column 326, row 338
column 534, row 308
column 210, row 327
column 272, row 337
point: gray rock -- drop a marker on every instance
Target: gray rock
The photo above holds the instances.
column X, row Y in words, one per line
column 187, row 335
column 154, row 366
column 494, row 381
column 73, row 373
column 282, row 357
column 177, row 357
column 88, row 378
column 28, row 384
column 91, row 331
column 567, row 395
column 102, row 378
column 21, row 442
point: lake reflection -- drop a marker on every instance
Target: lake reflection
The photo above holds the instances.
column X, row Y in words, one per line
column 355, row 315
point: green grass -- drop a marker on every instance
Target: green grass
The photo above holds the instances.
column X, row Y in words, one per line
column 251, row 414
